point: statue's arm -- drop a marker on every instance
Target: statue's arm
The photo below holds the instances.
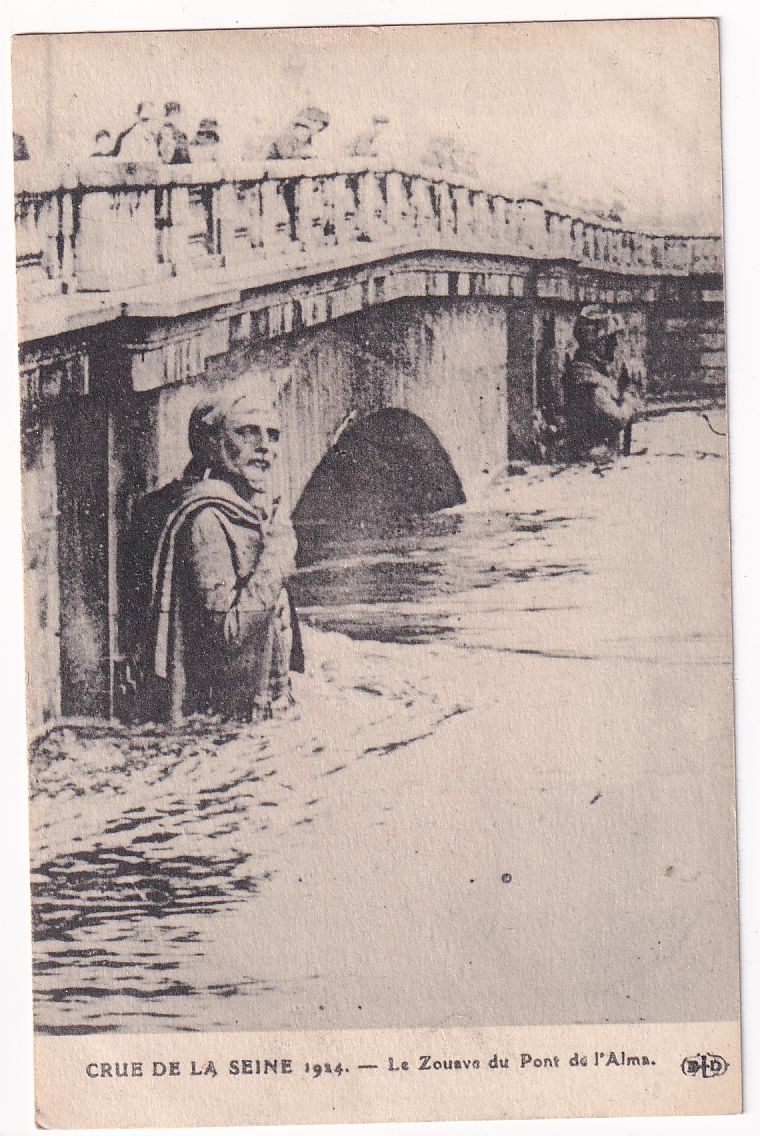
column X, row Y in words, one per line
column 210, row 569
column 606, row 403
column 234, row 605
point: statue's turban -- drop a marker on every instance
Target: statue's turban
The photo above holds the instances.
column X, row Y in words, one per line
column 251, row 395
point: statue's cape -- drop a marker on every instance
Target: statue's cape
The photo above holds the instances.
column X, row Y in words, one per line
column 210, row 493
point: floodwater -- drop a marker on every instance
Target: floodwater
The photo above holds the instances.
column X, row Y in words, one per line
column 473, row 771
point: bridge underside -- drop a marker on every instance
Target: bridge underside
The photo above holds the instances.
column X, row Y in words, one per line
column 438, row 361
column 387, row 465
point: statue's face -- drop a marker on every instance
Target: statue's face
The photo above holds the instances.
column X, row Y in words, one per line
column 586, row 336
column 249, row 445
column 602, row 346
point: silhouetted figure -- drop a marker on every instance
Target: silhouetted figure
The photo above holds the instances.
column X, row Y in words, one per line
column 20, row 149
column 632, row 380
column 104, row 145
column 368, row 143
column 139, row 142
column 172, row 142
column 597, row 410
column 297, row 140
column 205, row 145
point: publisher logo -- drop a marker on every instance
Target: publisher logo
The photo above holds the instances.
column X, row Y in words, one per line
column 704, row 1065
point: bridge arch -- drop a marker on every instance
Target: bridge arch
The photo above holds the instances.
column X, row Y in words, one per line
column 383, row 465
column 441, row 360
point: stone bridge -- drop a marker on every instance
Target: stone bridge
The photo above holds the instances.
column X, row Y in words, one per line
column 409, row 309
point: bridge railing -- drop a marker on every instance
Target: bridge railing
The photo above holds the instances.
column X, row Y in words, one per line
column 108, row 226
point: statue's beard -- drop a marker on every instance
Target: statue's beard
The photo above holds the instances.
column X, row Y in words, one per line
column 598, row 352
column 252, row 480
column 258, row 474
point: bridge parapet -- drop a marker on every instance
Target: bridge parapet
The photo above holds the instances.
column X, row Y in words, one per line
column 108, row 227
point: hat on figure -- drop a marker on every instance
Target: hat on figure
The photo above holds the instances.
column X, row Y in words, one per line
column 598, row 321
column 252, row 394
column 313, row 118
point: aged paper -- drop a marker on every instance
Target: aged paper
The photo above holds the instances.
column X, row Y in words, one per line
column 376, row 548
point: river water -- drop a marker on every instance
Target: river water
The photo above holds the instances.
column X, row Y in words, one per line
column 168, row 866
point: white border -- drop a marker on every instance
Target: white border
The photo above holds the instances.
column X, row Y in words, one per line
column 740, row 47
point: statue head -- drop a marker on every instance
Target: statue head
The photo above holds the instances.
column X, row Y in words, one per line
column 596, row 331
column 236, row 437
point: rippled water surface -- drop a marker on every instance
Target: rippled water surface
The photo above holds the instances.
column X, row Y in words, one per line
column 393, row 582
column 161, row 859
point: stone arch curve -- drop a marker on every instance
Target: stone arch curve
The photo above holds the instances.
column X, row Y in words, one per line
column 442, row 360
column 384, row 464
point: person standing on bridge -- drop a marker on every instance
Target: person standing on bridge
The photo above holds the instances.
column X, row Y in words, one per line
column 172, row 142
column 298, row 140
column 369, row 142
column 103, row 145
column 220, row 635
column 598, row 412
column 139, row 142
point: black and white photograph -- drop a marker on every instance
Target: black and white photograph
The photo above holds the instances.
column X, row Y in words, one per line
column 377, row 576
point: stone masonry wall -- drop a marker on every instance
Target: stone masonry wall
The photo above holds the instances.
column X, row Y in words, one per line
column 443, row 360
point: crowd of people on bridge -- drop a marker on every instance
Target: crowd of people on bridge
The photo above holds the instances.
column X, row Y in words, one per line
column 164, row 137
column 155, row 137
column 162, row 134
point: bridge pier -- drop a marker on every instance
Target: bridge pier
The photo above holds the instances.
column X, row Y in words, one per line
column 41, row 572
column 85, row 533
column 525, row 334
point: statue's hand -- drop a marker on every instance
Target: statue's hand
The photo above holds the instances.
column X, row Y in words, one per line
column 632, row 404
column 280, row 546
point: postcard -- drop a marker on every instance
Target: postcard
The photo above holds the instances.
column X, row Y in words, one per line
column 377, row 577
